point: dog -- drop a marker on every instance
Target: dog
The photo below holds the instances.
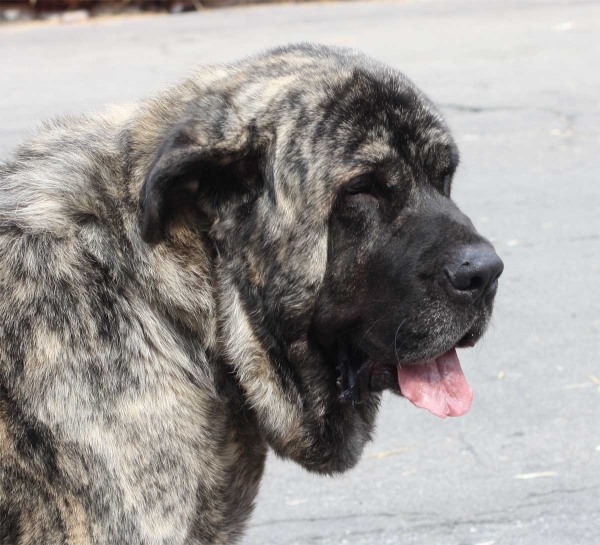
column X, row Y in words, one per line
column 240, row 263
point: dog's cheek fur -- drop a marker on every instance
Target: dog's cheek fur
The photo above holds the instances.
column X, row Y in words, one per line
column 265, row 310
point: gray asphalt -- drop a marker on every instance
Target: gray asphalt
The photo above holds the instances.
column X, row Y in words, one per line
column 519, row 83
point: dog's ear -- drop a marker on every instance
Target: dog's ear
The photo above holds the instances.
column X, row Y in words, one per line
column 205, row 159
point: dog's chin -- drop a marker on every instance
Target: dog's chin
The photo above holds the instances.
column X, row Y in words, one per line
column 361, row 374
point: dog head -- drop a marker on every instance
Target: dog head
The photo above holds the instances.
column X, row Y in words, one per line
column 322, row 181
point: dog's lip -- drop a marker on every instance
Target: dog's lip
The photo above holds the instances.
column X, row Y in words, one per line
column 468, row 340
column 376, row 375
column 385, row 375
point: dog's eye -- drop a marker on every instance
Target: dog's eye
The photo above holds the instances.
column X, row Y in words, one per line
column 361, row 190
column 360, row 184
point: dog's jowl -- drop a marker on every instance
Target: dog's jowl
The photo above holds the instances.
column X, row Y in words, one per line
column 242, row 262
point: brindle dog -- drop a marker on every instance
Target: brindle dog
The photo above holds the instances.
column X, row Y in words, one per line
column 240, row 263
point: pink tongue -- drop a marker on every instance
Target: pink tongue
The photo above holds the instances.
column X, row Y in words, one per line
column 437, row 385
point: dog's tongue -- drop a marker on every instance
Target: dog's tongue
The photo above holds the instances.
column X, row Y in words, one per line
column 437, row 385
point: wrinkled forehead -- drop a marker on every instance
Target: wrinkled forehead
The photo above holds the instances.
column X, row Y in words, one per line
column 370, row 120
column 355, row 122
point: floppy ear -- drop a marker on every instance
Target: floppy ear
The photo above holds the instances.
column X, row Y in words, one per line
column 205, row 157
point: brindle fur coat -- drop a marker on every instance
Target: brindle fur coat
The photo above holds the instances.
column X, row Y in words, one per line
column 159, row 268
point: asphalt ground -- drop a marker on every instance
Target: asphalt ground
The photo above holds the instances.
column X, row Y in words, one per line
column 519, row 84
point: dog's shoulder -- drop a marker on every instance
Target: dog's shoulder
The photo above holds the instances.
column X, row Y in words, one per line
column 63, row 172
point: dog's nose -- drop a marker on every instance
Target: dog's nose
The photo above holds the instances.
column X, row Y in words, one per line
column 475, row 270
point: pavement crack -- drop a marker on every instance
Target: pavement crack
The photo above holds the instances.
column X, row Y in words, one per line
column 325, row 519
column 562, row 491
column 471, row 449
column 567, row 119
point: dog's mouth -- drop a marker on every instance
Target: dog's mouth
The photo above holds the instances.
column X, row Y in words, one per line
column 437, row 384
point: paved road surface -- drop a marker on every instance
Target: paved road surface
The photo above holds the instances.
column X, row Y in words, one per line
column 519, row 82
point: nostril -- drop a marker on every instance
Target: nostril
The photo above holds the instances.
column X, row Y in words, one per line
column 475, row 272
column 465, row 279
column 476, row 283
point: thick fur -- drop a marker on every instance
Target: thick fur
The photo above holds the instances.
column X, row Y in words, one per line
column 167, row 272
